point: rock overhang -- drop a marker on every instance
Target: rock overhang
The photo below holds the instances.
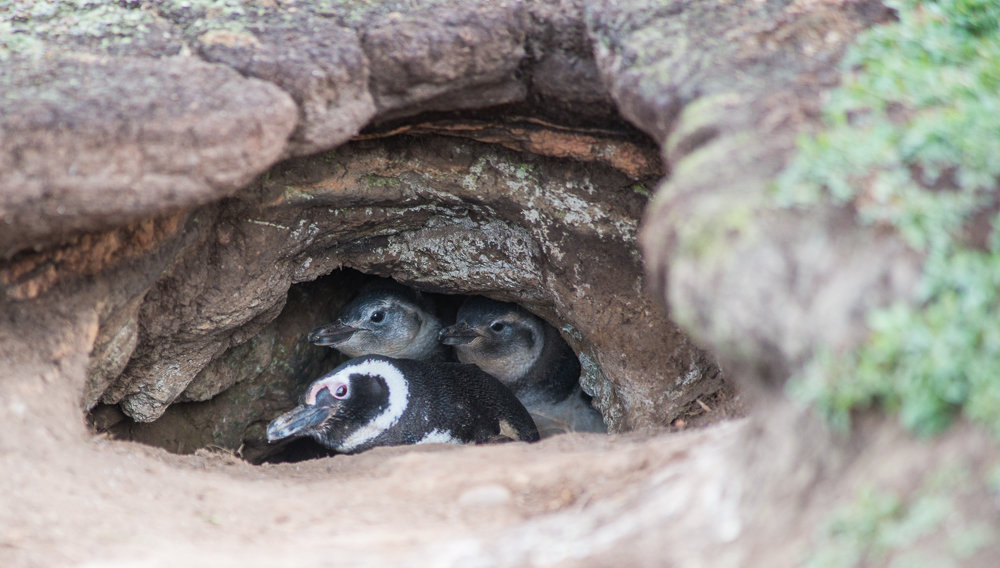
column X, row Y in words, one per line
column 499, row 227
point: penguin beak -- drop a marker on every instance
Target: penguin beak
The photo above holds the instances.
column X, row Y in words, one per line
column 299, row 421
column 458, row 334
column 331, row 334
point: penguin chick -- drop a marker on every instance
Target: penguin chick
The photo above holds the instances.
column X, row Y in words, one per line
column 385, row 318
column 516, row 347
column 379, row 401
column 530, row 357
column 574, row 414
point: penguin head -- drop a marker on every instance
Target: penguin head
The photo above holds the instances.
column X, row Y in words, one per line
column 385, row 318
column 347, row 407
column 501, row 338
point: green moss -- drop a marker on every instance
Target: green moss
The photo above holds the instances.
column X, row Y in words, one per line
column 380, row 181
column 29, row 29
column 355, row 13
column 723, row 226
column 641, row 190
column 293, row 194
column 879, row 525
column 914, row 144
column 197, row 17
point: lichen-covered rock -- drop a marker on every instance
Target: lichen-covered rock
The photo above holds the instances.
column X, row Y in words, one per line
column 207, row 300
column 454, row 217
column 258, row 380
column 318, row 63
column 440, row 214
column 562, row 75
column 763, row 287
column 111, row 352
column 445, row 58
column 91, row 143
column 458, row 217
column 556, row 237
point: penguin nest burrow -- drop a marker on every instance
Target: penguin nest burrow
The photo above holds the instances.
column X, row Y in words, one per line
column 218, row 347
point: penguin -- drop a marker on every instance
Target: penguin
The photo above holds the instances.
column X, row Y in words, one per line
column 385, row 318
column 380, row 401
column 530, row 357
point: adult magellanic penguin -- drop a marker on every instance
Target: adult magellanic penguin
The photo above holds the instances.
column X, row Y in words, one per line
column 379, row 401
column 385, row 318
column 529, row 356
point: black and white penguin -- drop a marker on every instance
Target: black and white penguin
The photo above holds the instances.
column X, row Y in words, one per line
column 379, row 401
column 530, row 357
column 385, row 318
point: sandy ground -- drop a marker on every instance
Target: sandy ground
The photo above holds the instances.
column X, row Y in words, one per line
column 71, row 498
column 566, row 499
column 746, row 492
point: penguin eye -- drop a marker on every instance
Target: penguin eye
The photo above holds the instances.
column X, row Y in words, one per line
column 497, row 326
column 340, row 391
column 378, row 316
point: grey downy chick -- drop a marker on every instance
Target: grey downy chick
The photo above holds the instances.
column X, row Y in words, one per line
column 379, row 401
column 530, row 357
column 385, row 318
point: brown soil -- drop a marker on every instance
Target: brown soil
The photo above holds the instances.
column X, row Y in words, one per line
column 102, row 502
column 755, row 493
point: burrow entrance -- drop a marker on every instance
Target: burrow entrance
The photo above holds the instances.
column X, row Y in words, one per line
column 217, row 347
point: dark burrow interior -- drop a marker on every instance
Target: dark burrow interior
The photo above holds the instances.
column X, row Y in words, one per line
column 272, row 370
column 554, row 233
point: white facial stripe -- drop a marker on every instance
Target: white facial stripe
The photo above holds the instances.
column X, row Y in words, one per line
column 399, row 399
column 436, row 436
